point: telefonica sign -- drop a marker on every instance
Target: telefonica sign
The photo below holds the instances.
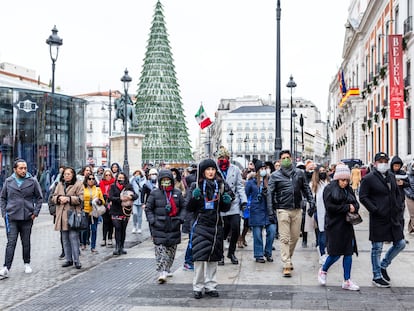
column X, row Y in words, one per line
column 27, row 105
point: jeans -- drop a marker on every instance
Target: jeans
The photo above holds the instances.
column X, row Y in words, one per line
column 24, row 228
column 258, row 240
column 322, row 242
column 137, row 216
column 93, row 227
column 189, row 252
column 392, row 252
column 71, row 244
column 346, row 264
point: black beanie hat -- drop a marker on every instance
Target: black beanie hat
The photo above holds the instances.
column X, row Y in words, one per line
column 206, row 164
column 258, row 164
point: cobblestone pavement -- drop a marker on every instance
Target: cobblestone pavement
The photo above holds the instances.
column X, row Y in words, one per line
column 129, row 282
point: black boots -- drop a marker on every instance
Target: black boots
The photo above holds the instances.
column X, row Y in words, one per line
column 119, row 250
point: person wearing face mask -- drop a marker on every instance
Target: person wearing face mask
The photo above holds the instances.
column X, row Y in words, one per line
column 287, row 187
column 380, row 195
column 119, row 217
column 178, row 183
column 137, row 181
column 165, row 213
column 149, row 185
column 232, row 175
column 262, row 215
column 320, row 180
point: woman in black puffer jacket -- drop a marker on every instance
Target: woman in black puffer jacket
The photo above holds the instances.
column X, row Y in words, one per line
column 207, row 198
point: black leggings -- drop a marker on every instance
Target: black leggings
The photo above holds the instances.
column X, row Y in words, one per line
column 120, row 226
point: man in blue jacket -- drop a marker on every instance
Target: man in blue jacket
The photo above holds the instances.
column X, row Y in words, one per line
column 20, row 202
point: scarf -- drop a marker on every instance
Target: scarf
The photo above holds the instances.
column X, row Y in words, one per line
column 170, row 199
column 105, row 185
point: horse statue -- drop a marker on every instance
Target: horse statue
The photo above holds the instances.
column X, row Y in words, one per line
column 120, row 109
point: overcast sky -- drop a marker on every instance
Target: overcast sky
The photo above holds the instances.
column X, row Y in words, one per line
column 221, row 48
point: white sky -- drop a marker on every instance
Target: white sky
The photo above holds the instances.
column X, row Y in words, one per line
column 221, row 48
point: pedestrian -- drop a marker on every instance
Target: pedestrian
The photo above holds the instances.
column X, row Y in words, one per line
column 165, row 213
column 121, row 196
column 92, row 194
column 115, row 169
column 149, row 185
column 207, row 198
column 356, row 178
column 262, row 216
column 107, row 225
column 401, row 176
column 380, row 195
column 20, row 203
column 320, row 180
column 137, row 181
column 99, row 174
column 232, row 175
column 339, row 199
column 68, row 195
column 287, row 188
column 409, row 195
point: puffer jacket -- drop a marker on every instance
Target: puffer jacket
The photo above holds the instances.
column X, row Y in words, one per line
column 75, row 192
column 20, row 203
column 261, row 211
column 287, row 188
column 165, row 229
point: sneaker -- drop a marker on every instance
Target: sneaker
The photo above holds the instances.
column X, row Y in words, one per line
column 4, row 272
column 169, row 274
column 103, row 243
column 162, row 278
column 385, row 275
column 322, row 259
column 380, row 283
column 27, row 268
column 287, row 272
column 139, row 231
column 349, row 285
column 134, row 230
column 322, row 277
column 188, row 267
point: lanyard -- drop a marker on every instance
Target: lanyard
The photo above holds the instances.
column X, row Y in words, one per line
column 215, row 192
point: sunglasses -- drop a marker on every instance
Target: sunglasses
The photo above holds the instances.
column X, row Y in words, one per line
column 107, row 174
column 91, row 178
column 121, row 180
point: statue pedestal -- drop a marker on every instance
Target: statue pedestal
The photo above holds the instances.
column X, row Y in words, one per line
column 134, row 148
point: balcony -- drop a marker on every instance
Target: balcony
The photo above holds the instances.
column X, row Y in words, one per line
column 408, row 26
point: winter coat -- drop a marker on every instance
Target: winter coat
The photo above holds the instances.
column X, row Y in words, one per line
column 261, row 212
column 115, row 198
column 165, row 229
column 75, row 193
column 340, row 235
column 137, row 185
column 381, row 197
column 409, row 191
column 88, row 195
column 355, row 177
column 320, row 205
column 234, row 179
column 207, row 229
column 288, row 187
column 20, row 203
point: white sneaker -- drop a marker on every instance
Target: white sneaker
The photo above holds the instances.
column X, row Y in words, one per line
column 134, row 230
column 322, row 277
column 349, row 285
column 170, row 274
column 4, row 272
column 322, row 259
column 27, row 268
column 163, row 277
column 139, row 231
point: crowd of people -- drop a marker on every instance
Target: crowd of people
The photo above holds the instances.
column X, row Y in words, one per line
column 217, row 204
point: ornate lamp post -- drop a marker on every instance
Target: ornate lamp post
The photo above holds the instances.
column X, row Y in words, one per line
column 231, row 143
column 291, row 84
column 301, row 128
column 126, row 79
column 54, row 42
column 278, row 128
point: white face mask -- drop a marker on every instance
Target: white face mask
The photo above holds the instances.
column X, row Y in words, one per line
column 268, row 170
column 263, row 173
column 383, row 167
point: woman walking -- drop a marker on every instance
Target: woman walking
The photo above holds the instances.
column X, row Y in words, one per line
column 107, row 225
column 339, row 199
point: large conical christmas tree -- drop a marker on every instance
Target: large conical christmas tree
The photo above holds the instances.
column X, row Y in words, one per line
column 159, row 108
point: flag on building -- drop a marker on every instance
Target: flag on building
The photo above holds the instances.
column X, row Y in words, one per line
column 201, row 117
column 342, row 85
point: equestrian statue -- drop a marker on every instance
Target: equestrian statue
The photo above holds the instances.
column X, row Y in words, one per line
column 120, row 110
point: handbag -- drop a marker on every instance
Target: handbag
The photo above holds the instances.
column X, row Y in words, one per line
column 126, row 203
column 97, row 209
column 77, row 220
column 353, row 218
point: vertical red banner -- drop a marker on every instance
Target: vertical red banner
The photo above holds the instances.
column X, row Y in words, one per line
column 395, row 64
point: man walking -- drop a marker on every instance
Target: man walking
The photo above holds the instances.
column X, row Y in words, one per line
column 380, row 195
column 288, row 187
column 20, row 203
column 232, row 175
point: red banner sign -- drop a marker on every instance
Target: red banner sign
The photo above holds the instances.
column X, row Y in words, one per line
column 395, row 64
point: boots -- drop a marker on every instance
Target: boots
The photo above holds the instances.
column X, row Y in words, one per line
column 122, row 250
column 117, row 250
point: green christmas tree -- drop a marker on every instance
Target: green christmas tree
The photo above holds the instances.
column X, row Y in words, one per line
column 159, row 108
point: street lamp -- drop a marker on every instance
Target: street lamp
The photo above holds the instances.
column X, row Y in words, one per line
column 109, row 124
column 126, row 79
column 291, row 84
column 278, row 128
column 54, row 42
column 254, row 150
column 301, row 127
column 231, row 143
column 246, row 140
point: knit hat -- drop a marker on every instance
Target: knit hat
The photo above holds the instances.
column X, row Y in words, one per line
column 153, row 171
column 342, row 172
column 205, row 164
column 258, row 164
column 223, row 153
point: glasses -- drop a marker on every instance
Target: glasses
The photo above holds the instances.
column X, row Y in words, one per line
column 91, row 178
column 107, row 174
column 121, row 180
